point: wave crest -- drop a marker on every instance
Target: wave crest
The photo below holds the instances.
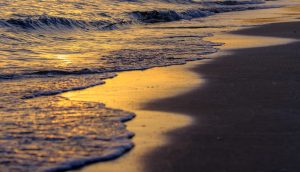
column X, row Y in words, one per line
column 46, row 22
column 171, row 15
column 51, row 22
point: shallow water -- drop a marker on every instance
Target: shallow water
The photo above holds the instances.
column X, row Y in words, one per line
column 52, row 46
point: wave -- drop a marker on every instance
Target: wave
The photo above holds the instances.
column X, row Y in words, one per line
column 171, row 15
column 227, row 2
column 78, row 163
column 57, row 130
column 55, row 92
column 46, row 22
column 232, row 2
column 51, row 73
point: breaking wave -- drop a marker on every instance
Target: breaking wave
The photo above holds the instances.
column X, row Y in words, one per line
column 51, row 22
column 170, row 15
column 46, row 22
column 41, row 131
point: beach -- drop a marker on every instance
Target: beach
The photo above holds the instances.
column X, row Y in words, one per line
column 241, row 107
column 130, row 91
column 247, row 112
column 150, row 85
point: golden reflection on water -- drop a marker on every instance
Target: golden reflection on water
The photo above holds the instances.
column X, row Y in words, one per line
column 241, row 41
column 130, row 91
column 92, row 49
column 90, row 9
column 294, row 9
column 64, row 58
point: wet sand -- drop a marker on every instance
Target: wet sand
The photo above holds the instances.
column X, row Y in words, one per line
column 134, row 90
column 246, row 115
column 130, row 91
column 181, row 99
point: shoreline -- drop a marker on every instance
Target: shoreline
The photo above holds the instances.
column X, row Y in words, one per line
column 130, row 91
column 172, row 101
column 133, row 160
column 126, row 161
column 248, row 109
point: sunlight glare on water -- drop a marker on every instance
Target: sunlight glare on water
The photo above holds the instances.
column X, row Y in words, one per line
column 52, row 46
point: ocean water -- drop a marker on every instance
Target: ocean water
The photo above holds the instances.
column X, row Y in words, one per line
column 52, row 46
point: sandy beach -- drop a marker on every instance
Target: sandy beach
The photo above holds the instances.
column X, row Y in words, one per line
column 131, row 91
column 247, row 113
column 238, row 112
column 150, row 86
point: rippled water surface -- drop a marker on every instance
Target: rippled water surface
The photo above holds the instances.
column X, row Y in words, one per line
column 52, row 46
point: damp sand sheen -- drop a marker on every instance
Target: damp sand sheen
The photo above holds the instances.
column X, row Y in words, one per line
column 130, row 91
column 42, row 56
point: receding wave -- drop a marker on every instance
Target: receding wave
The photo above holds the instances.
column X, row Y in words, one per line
column 52, row 133
column 51, row 73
